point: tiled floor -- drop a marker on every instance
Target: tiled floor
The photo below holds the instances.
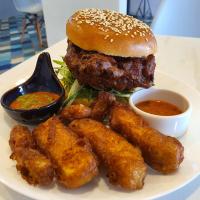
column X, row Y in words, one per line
column 12, row 50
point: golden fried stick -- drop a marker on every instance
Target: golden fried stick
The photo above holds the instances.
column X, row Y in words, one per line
column 20, row 136
column 123, row 161
column 34, row 167
column 162, row 153
column 76, row 111
column 101, row 105
column 75, row 163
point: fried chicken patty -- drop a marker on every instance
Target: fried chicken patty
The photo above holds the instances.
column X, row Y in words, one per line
column 109, row 72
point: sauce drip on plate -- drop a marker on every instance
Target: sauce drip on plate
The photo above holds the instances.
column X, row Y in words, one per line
column 34, row 100
column 158, row 107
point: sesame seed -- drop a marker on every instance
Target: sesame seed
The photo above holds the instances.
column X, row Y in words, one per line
column 111, row 40
column 106, row 20
column 106, row 37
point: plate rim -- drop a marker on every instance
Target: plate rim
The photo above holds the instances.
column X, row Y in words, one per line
column 41, row 197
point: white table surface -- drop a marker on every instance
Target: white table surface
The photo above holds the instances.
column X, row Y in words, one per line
column 177, row 56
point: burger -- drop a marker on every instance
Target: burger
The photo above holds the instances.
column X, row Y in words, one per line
column 108, row 50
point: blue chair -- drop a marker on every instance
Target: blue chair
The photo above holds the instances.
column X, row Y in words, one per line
column 33, row 12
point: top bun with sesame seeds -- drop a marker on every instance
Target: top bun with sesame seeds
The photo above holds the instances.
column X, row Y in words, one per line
column 108, row 50
column 110, row 33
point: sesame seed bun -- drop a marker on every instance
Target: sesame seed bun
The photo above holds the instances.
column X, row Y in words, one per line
column 110, row 33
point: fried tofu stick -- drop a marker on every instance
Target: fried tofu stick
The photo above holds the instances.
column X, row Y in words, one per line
column 162, row 153
column 75, row 163
column 34, row 167
column 124, row 163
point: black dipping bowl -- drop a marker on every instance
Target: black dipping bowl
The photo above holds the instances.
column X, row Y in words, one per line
column 42, row 79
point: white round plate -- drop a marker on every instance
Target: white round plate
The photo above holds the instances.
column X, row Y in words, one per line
column 156, row 185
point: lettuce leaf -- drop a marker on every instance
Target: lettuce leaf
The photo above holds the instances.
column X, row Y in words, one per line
column 64, row 75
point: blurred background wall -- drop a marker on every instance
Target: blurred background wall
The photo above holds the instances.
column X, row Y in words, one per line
column 178, row 18
column 57, row 12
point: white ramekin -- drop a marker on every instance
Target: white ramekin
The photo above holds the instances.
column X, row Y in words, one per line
column 175, row 125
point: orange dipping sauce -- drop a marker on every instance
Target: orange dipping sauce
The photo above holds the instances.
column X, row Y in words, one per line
column 158, row 107
column 34, row 100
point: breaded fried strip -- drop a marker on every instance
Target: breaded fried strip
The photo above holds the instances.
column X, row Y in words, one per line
column 102, row 105
column 75, row 163
column 76, row 111
column 20, row 136
column 34, row 167
column 123, row 161
column 162, row 153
